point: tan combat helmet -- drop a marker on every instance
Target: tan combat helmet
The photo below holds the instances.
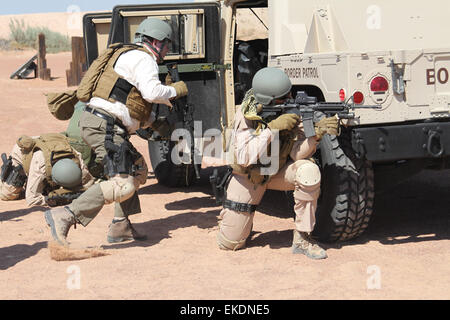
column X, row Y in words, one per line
column 156, row 29
column 153, row 28
column 66, row 173
column 269, row 84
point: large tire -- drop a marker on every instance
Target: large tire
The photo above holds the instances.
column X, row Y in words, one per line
column 167, row 173
column 347, row 191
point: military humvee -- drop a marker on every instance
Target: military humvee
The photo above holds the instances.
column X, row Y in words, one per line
column 392, row 54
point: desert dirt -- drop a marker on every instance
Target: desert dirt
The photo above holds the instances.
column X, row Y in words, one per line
column 403, row 255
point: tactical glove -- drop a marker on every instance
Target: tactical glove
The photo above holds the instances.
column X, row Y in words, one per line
column 328, row 125
column 180, row 88
column 168, row 80
column 162, row 126
column 284, row 122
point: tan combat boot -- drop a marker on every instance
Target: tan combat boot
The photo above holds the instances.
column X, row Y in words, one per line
column 122, row 230
column 60, row 220
column 304, row 244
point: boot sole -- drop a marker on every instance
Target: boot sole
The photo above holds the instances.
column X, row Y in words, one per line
column 117, row 240
column 51, row 224
column 296, row 250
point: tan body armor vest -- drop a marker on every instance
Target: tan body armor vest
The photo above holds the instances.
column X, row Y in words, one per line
column 254, row 171
column 139, row 108
column 54, row 146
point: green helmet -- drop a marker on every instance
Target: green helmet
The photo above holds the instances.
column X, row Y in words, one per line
column 269, row 84
column 66, row 173
column 153, row 28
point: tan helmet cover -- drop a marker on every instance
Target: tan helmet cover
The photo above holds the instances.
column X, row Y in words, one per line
column 270, row 83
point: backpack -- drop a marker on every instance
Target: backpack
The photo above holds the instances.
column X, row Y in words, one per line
column 61, row 105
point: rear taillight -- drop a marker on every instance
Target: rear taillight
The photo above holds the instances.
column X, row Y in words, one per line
column 358, row 97
column 379, row 84
column 342, row 95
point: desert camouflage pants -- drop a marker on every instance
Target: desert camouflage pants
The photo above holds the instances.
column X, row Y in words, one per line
column 235, row 227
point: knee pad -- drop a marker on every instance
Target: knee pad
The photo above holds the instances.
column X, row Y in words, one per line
column 118, row 189
column 307, row 182
column 308, row 175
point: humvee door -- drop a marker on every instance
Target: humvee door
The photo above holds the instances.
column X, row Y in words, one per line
column 96, row 32
column 195, row 47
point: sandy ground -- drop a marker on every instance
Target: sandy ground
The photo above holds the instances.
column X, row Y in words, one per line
column 403, row 255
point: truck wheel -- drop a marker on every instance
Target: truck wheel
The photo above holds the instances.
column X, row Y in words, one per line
column 347, row 191
column 167, row 173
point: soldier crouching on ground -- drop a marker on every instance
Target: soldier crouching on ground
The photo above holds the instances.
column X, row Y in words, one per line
column 297, row 171
column 126, row 78
column 47, row 168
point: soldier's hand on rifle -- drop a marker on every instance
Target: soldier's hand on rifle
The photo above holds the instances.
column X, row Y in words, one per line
column 162, row 126
column 168, row 80
column 328, row 125
column 286, row 121
column 180, row 88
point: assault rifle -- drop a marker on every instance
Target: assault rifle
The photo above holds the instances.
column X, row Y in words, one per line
column 185, row 113
column 306, row 106
column 7, row 167
column 12, row 175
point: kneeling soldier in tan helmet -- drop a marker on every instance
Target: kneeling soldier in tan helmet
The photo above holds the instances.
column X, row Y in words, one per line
column 120, row 87
column 47, row 168
column 297, row 171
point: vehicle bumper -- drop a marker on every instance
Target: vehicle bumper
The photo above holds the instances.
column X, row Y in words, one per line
column 402, row 142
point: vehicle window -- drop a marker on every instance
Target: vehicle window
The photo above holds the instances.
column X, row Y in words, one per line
column 188, row 38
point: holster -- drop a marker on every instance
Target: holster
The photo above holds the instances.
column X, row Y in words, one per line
column 219, row 184
column 120, row 159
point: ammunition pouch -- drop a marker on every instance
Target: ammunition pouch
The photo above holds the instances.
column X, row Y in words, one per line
column 239, row 206
column 12, row 175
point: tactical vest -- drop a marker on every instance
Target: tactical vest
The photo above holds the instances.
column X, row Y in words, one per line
column 249, row 108
column 54, row 147
column 138, row 107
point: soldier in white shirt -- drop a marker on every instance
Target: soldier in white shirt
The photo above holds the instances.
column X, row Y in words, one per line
column 121, row 103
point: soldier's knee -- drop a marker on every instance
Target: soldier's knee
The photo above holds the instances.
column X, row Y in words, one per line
column 234, row 229
column 226, row 244
column 118, row 189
